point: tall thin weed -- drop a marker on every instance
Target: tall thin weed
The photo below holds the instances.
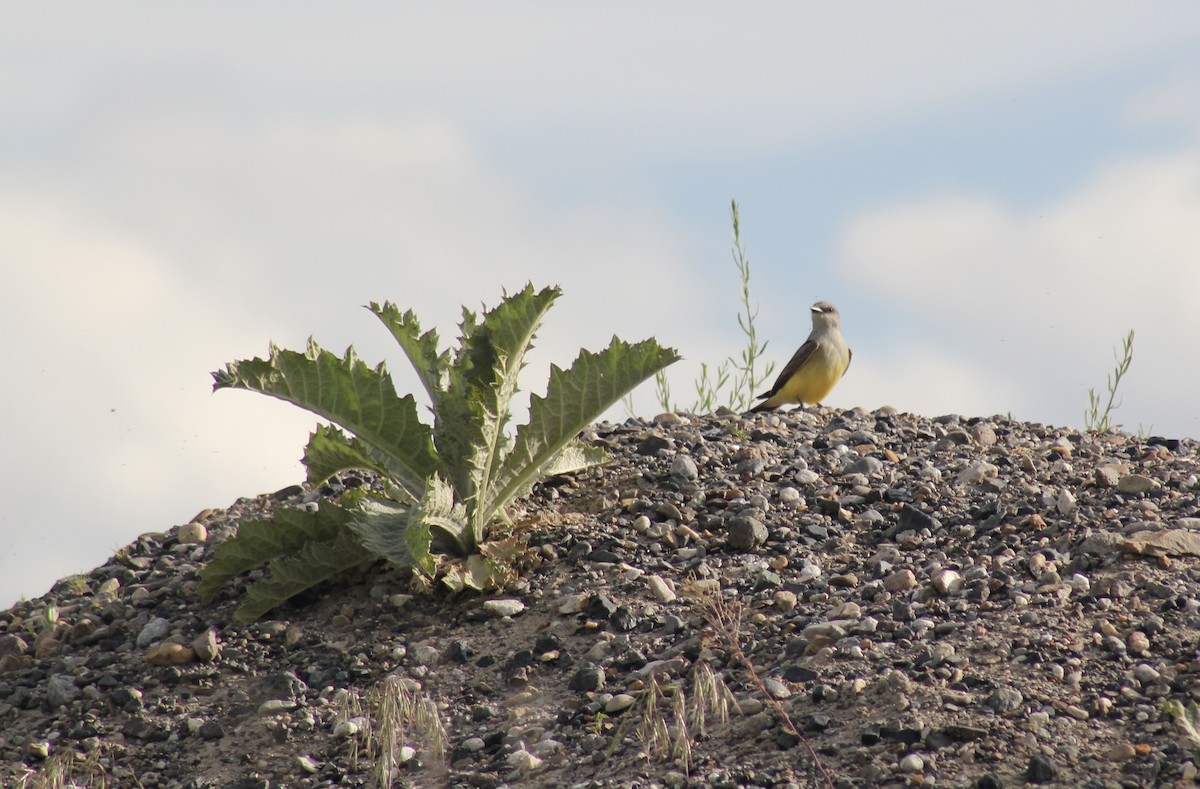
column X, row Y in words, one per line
column 732, row 382
column 1095, row 419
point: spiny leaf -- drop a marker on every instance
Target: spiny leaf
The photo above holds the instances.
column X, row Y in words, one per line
column 510, row 330
column 291, row 575
column 348, row 393
column 575, row 456
column 396, row 534
column 421, row 349
column 440, row 511
column 574, row 399
column 258, row 542
column 330, row 451
column 482, row 382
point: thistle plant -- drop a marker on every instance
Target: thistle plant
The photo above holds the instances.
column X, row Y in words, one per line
column 446, row 485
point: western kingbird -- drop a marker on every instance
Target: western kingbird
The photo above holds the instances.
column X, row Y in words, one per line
column 815, row 367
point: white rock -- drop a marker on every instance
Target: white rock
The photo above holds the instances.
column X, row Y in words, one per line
column 503, row 607
column 661, row 590
column 1065, row 502
column 948, row 581
column 621, row 701
column 523, row 760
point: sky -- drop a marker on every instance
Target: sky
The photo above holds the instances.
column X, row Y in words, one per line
column 994, row 195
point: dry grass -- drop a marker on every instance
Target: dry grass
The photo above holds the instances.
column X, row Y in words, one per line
column 669, row 721
column 724, row 621
column 401, row 718
column 68, row 770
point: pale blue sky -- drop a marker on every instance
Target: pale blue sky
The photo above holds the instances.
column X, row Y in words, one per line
column 993, row 195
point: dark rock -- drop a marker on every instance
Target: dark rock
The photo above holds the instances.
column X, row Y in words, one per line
column 146, row 730
column 746, row 533
column 912, row 518
column 1041, row 770
column 588, row 677
column 212, row 730
column 599, row 606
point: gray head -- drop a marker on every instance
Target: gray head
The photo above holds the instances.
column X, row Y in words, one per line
column 824, row 314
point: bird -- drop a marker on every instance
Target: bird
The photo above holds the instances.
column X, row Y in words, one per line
column 816, row 366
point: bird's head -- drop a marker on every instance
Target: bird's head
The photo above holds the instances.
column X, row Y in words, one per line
column 825, row 314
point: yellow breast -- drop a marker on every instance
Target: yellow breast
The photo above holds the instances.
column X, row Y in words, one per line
column 815, row 379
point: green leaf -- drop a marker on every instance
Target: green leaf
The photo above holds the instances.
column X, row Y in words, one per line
column 393, row 532
column 404, row 535
column 575, row 456
column 258, row 542
column 291, row 575
column 330, row 451
column 348, row 393
column 421, row 349
column 440, row 511
column 471, row 416
column 510, row 329
column 574, row 399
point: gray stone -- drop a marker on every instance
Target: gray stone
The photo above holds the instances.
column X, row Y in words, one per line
column 684, row 466
column 1136, row 483
column 61, row 690
column 1006, row 701
column 746, row 533
column 155, row 630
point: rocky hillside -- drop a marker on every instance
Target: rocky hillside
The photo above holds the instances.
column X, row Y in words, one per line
column 841, row 599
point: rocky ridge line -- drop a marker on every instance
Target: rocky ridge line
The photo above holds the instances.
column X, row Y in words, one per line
column 934, row 602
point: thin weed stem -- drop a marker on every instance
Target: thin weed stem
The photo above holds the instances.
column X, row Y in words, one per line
column 725, row 620
column 1096, row 420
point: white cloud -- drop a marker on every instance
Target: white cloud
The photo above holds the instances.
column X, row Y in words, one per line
column 1173, row 105
column 1040, row 296
column 126, row 300
column 176, row 194
column 658, row 79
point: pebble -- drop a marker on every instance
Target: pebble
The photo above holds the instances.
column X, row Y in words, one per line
column 745, row 533
column 1122, row 752
column 61, row 690
column 192, row 533
column 661, row 589
column 684, row 466
column 276, row 707
column 1136, row 483
column 620, row 702
column 347, row 728
column 948, row 581
column 1006, row 701
column 950, row 601
column 167, row 653
column 503, row 607
column 1138, row 642
column 900, row 581
column 206, row 647
column 523, row 760
column 155, row 630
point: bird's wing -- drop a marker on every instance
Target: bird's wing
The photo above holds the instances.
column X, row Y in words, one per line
column 849, row 358
column 798, row 358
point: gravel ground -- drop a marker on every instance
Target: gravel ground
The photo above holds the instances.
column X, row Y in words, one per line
column 881, row 599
